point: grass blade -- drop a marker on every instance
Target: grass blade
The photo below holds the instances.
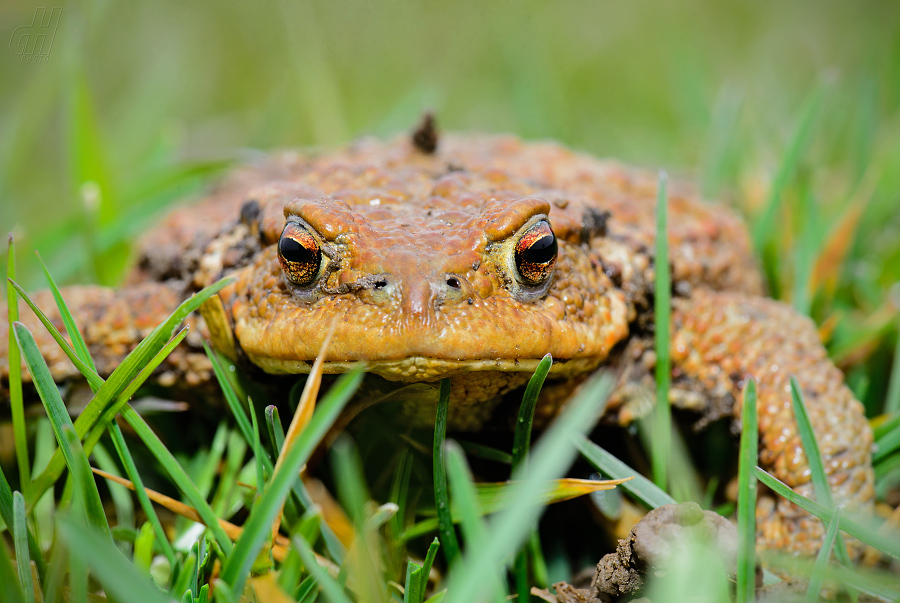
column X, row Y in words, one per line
column 814, row 459
column 88, row 371
column 892, row 401
column 430, row 556
column 522, row 436
column 887, row 444
column 69, row 444
column 276, row 430
column 143, row 548
column 9, row 584
column 509, row 529
column 889, row 545
column 465, row 497
column 83, row 478
column 640, row 487
column 258, row 526
column 53, row 583
column 119, row 577
column 884, row 424
column 178, row 475
column 16, row 402
column 258, row 452
column 441, row 493
column 764, row 226
column 20, row 540
column 44, row 510
column 521, row 444
column 368, row 580
column 662, row 441
column 334, row 592
column 121, row 498
column 350, row 482
column 231, row 397
column 818, row 575
column 473, row 526
column 492, row 495
column 810, row 447
column 746, row 504
column 411, row 591
column 125, row 457
column 8, row 515
column 298, row 491
column 78, row 343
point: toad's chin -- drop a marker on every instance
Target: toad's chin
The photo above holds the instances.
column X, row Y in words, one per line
column 418, row 368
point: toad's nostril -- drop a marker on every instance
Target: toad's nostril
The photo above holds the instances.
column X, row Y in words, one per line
column 380, row 284
column 453, row 282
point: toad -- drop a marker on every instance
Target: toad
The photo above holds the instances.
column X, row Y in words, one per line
column 471, row 257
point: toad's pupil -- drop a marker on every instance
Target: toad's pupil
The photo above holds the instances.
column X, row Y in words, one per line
column 293, row 251
column 542, row 251
column 300, row 255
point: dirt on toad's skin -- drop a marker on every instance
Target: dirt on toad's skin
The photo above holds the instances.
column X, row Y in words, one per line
column 423, row 255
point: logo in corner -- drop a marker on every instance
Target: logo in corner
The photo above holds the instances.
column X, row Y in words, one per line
column 33, row 42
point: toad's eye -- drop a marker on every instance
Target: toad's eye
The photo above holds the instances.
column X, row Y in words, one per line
column 300, row 254
column 535, row 253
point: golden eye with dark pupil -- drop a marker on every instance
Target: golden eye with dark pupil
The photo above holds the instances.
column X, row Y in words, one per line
column 300, row 254
column 535, row 253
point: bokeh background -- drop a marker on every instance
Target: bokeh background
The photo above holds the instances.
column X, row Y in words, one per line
column 788, row 110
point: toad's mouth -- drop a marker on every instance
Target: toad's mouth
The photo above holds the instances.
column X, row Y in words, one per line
column 419, row 368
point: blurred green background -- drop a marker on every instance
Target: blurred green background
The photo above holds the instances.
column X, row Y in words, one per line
column 789, row 110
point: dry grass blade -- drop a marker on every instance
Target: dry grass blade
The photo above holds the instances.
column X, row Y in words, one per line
column 490, row 495
column 279, row 549
column 837, row 245
column 304, row 411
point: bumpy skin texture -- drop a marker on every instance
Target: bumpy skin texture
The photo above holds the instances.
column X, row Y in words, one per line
column 719, row 340
column 418, row 277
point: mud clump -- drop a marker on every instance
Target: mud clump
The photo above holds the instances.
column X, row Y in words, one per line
column 646, row 553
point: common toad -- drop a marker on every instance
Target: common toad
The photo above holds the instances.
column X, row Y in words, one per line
column 473, row 260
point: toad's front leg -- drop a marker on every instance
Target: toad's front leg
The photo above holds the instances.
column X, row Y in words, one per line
column 112, row 323
column 721, row 339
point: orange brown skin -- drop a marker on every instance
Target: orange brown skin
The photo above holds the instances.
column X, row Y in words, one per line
column 417, row 270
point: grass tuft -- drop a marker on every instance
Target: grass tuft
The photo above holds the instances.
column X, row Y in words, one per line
column 510, row 527
column 297, row 451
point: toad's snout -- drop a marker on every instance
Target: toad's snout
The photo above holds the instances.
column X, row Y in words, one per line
column 419, row 297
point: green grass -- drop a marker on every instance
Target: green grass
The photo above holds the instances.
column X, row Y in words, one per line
column 662, row 308
column 746, row 503
column 138, row 107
